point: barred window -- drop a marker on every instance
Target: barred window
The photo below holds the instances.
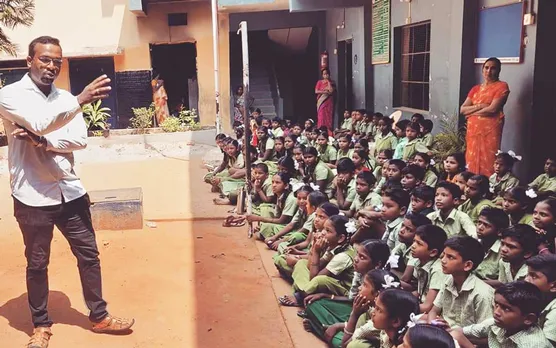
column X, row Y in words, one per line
column 412, row 66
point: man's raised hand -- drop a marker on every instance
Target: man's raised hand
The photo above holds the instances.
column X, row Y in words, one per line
column 98, row 89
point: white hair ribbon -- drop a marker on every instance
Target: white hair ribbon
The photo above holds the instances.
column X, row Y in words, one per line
column 393, row 261
column 315, row 187
column 296, row 185
column 531, row 193
column 514, row 156
column 412, row 320
column 350, row 227
column 390, row 283
column 296, row 165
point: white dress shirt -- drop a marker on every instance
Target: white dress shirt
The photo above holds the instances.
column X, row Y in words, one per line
column 40, row 176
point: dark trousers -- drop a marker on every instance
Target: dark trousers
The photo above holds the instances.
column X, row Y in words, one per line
column 73, row 219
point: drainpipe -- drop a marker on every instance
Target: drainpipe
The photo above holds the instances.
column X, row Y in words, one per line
column 216, row 52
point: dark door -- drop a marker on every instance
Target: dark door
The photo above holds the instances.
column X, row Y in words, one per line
column 345, row 77
column 84, row 71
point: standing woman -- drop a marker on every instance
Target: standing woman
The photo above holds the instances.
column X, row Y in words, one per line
column 483, row 110
column 240, row 104
column 324, row 90
column 160, row 99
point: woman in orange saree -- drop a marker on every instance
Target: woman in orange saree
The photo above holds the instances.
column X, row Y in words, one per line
column 325, row 101
column 483, row 110
column 160, row 99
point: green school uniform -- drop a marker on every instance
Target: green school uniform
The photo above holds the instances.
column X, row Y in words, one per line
column 547, row 321
column 456, row 224
column 302, row 225
column 290, row 207
column 385, row 142
column 377, row 172
column 392, row 231
column 404, row 257
column 469, row 305
column 346, row 125
column 371, row 129
column 498, row 338
column 474, row 210
column 345, row 154
column 228, row 185
column 544, row 183
column 329, row 155
column 349, row 191
column 340, row 265
column 429, row 277
column 361, row 128
column 427, row 140
column 371, row 200
column 398, row 153
column 489, row 268
column 380, row 185
column 259, row 207
column 430, row 178
column 526, row 219
column 323, row 172
column 278, row 132
column 505, row 272
column 410, row 149
column 365, row 334
column 498, row 187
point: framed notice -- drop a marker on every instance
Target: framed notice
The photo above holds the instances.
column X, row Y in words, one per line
column 380, row 32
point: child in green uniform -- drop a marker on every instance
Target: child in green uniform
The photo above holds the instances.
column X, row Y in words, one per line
column 330, row 273
column 327, row 314
column 299, row 163
column 542, row 273
column 464, row 299
column 447, row 216
column 412, row 177
column 365, row 197
column 286, row 206
column 517, row 307
column 345, row 128
column 546, row 182
column 279, row 149
column 426, row 136
column 399, row 130
column 503, row 179
column 544, row 219
column 518, row 244
column 286, row 259
column 517, row 204
column 290, row 141
column 327, row 153
column 361, row 160
column 317, row 172
column 427, row 247
column 385, row 138
column 422, row 200
column 344, row 192
column 383, row 157
column 412, row 135
column 359, row 330
column 262, row 196
column 344, row 147
column 424, row 335
column 490, row 224
column 229, row 185
column 266, row 149
column 215, row 170
column 423, row 160
column 277, row 130
column 476, row 192
column 300, row 225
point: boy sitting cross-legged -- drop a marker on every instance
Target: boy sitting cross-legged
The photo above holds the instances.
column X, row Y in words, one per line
column 447, row 217
column 464, row 299
column 542, row 273
column 517, row 307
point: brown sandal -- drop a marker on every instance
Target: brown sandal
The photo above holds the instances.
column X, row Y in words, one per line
column 113, row 325
column 40, row 338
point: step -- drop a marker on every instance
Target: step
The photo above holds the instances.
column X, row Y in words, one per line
column 267, row 109
column 259, row 88
column 264, row 101
column 261, row 94
column 259, row 80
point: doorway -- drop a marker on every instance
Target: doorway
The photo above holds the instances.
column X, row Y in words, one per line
column 176, row 65
column 345, row 76
column 84, row 71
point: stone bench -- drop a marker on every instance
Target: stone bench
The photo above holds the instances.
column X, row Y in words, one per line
column 118, row 209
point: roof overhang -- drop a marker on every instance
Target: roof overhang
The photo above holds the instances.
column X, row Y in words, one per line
column 320, row 5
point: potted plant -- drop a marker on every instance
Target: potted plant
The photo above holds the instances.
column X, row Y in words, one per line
column 95, row 118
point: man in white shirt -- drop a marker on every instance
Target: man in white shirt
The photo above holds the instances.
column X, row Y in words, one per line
column 47, row 125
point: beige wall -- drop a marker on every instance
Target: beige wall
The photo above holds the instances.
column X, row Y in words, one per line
column 105, row 25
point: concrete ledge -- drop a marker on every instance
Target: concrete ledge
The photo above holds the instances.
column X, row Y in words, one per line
column 205, row 137
column 119, row 209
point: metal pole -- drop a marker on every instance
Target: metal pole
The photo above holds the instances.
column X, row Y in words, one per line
column 216, row 52
column 246, row 121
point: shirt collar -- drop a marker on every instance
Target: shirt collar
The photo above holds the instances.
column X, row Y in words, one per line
column 521, row 338
column 495, row 248
column 551, row 306
column 427, row 267
column 451, row 216
column 29, row 84
column 505, row 177
column 395, row 223
column 467, row 285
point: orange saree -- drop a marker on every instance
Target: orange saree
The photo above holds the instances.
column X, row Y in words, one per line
column 484, row 133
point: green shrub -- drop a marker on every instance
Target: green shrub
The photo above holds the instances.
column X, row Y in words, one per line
column 143, row 118
column 96, row 116
column 171, row 125
column 450, row 139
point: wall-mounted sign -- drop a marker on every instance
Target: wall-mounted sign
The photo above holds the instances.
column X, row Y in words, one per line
column 380, row 32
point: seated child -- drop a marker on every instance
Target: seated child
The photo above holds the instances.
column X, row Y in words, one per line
column 546, row 183
column 279, row 149
column 385, row 138
column 287, row 257
column 326, row 315
column 544, row 219
column 359, row 330
column 363, row 144
column 417, row 118
column 423, row 335
column 381, row 160
column 344, row 147
column 297, row 130
column 426, row 136
column 301, row 224
column 372, row 130
column 327, row 153
column 427, row 247
column 332, row 273
column 265, row 145
column 317, row 172
column 490, row 224
column 221, row 170
column 412, row 177
column 453, row 165
column 277, row 130
column 290, row 141
column 516, row 204
column 412, row 132
column 286, row 207
column 399, row 130
column 365, row 197
column 461, row 181
column 262, row 195
column 422, row 200
column 518, row 243
column 542, row 273
column 517, row 307
column 503, row 179
column 230, row 184
column 423, row 160
column 447, row 217
column 464, row 299
column 361, row 160
column 476, row 192
column 402, row 262
column 299, row 162
column 395, row 203
column 344, row 185
column 345, row 128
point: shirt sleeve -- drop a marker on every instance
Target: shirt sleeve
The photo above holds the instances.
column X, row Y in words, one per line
column 339, row 263
column 40, row 122
column 437, row 279
column 537, row 182
column 291, row 206
column 332, row 153
column 240, row 162
column 479, row 330
column 321, row 172
column 69, row 138
column 468, row 226
column 549, row 326
column 483, row 304
column 308, row 225
column 439, row 297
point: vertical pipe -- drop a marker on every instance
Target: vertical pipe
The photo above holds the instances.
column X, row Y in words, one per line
column 216, row 52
